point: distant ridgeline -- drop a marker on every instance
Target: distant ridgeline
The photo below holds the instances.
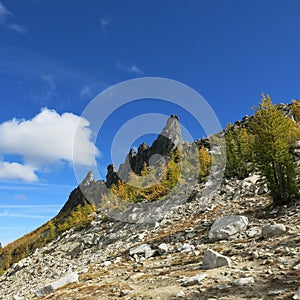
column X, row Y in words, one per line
column 153, row 171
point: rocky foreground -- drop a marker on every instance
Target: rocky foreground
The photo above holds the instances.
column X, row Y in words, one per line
column 235, row 246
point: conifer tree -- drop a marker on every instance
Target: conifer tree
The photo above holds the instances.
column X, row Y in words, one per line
column 238, row 152
column 204, row 163
column 273, row 135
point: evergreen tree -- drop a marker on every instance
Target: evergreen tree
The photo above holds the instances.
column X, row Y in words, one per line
column 238, row 152
column 204, row 163
column 273, row 135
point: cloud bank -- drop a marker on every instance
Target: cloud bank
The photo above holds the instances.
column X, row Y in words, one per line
column 46, row 139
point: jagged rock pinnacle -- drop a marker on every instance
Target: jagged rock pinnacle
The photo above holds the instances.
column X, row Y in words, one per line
column 88, row 179
column 112, row 176
column 167, row 140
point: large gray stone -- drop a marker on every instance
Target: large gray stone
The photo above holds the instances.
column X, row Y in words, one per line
column 47, row 289
column 225, row 227
column 213, row 259
column 273, row 230
column 140, row 249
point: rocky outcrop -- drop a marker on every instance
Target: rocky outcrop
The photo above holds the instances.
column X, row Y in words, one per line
column 75, row 198
column 92, row 191
column 156, row 155
column 89, row 191
column 112, row 176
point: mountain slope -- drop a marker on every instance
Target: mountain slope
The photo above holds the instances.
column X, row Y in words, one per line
column 102, row 255
column 154, row 250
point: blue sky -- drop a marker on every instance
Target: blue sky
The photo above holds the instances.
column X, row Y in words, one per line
column 56, row 56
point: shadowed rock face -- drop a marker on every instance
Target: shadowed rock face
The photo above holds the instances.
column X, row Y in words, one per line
column 112, row 176
column 169, row 139
column 76, row 198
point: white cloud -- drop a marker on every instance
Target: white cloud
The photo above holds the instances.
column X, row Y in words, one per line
column 17, row 171
column 6, row 16
column 130, row 68
column 46, row 139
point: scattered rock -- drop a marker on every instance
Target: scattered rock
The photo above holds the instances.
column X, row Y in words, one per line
column 273, row 230
column 140, row 249
column 223, row 286
column 194, row 280
column 150, row 253
column 252, row 232
column 124, row 293
column 243, row 281
column 180, row 294
column 296, row 267
column 213, row 259
column 109, row 242
column 297, row 294
column 106, row 263
column 47, row 289
column 225, row 227
column 163, row 248
column 187, row 248
column 276, row 292
column 16, row 297
column 77, row 248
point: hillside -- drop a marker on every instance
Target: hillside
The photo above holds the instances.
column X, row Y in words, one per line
column 103, row 255
column 195, row 234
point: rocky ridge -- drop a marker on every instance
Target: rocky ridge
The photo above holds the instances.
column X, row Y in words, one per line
column 157, row 154
column 192, row 252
